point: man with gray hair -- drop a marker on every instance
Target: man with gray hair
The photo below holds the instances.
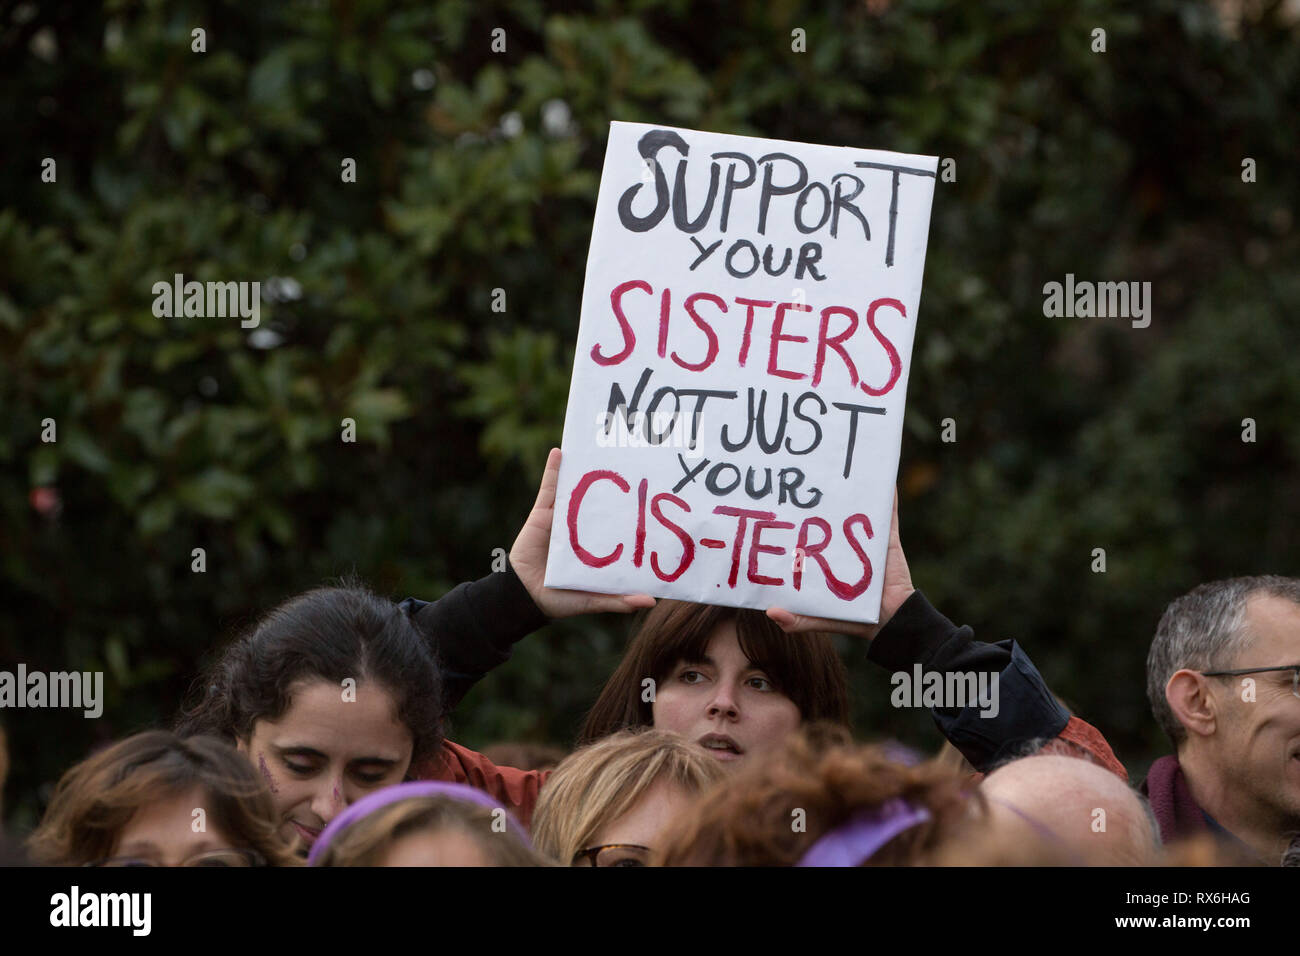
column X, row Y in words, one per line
column 1223, row 679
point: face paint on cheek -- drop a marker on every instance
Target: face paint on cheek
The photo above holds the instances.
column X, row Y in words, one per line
column 266, row 773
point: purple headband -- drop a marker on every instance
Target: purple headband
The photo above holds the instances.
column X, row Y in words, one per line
column 406, row 791
column 852, row 843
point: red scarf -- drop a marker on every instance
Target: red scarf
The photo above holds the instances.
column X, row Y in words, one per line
column 1171, row 801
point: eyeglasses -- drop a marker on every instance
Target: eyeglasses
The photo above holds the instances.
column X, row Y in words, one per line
column 219, row 858
column 613, row 854
column 1293, row 668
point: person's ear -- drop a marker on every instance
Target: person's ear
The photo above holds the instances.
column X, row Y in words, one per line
column 241, row 745
column 1193, row 702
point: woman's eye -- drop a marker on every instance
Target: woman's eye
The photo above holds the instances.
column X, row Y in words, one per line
column 760, row 683
column 690, row 677
column 370, row 778
column 302, row 769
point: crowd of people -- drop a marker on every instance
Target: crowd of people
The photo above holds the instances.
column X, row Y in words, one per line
column 721, row 739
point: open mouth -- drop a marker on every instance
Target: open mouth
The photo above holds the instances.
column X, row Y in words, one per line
column 721, row 746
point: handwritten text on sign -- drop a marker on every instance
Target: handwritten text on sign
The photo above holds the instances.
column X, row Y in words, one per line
column 737, row 399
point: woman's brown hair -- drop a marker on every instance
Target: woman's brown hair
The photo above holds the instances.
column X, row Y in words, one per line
column 96, row 799
column 804, row 667
column 771, row 813
column 329, row 634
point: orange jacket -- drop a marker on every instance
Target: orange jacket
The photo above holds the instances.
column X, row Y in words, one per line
column 516, row 789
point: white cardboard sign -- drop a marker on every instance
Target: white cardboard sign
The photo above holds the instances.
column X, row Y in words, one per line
column 736, row 407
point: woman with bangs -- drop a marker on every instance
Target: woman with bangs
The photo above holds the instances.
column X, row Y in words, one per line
column 735, row 681
column 727, row 679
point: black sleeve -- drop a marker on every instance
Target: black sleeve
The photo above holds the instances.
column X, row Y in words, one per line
column 472, row 628
column 919, row 640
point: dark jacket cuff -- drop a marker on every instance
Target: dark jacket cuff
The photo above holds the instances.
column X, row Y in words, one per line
column 918, row 635
column 915, row 633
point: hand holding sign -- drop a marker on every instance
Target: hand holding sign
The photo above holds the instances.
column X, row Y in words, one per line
column 898, row 588
column 528, row 558
column 736, row 407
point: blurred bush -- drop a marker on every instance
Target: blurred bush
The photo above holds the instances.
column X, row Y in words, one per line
column 477, row 171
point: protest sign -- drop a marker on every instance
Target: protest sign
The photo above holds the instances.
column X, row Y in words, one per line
column 736, row 407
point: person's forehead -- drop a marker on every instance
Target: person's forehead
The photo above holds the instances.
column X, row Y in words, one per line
column 366, row 702
column 322, row 717
column 646, row 818
column 1274, row 626
column 724, row 646
column 166, row 822
column 162, row 810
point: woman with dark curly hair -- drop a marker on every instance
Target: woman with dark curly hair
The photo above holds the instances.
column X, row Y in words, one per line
column 156, row 799
column 726, row 678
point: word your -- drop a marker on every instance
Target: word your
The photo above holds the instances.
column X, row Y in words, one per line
column 196, row 299
column 58, row 689
column 1098, row 300
column 954, row 690
column 103, row 909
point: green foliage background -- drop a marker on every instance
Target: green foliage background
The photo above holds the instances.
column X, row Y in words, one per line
column 181, row 433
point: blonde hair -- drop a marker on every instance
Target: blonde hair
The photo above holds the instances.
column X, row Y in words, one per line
column 365, row 842
column 596, row 785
